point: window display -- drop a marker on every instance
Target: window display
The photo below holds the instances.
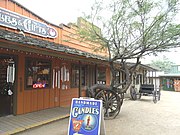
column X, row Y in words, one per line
column 65, row 77
column 37, row 73
column 75, row 76
column 101, row 76
column 84, row 76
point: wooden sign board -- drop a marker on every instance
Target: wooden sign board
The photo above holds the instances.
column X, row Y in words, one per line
column 86, row 117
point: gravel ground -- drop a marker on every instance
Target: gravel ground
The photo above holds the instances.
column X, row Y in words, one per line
column 141, row 117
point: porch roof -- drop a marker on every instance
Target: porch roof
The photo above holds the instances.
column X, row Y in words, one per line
column 149, row 68
column 27, row 40
column 170, row 75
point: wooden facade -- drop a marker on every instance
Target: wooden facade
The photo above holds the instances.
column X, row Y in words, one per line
column 71, row 65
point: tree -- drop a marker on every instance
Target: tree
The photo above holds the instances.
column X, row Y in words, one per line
column 163, row 64
column 132, row 29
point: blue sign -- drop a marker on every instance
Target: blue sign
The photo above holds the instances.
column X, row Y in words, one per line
column 16, row 21
column 85, row 117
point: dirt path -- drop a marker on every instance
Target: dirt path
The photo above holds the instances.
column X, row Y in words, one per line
column 143, row 117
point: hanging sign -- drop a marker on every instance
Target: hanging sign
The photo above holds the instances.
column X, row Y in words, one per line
column 85, row 117
column 16, row 21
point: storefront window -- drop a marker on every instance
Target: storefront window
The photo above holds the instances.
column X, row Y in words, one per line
column 37, row 73
column 65, row 77
column 75, row 76
column 101, row 76
column 84, row 76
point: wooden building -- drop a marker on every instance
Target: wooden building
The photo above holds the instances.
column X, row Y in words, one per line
column 43, row 65
column 170, row 80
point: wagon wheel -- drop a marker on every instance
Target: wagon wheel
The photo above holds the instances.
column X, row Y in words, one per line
column 111, row 102
column 121, row 96
column 159, row 95
column 155, row 97
column 133, row 93
column 139, row 96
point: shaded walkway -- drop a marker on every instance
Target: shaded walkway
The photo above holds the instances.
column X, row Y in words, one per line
column 14, row 124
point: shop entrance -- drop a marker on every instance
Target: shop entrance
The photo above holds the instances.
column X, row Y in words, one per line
column 7, row 77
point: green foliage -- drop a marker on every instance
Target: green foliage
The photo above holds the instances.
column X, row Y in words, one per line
column 163, row 64
column 133, row 29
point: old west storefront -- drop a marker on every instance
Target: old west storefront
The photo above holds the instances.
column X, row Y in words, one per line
column 38, row 68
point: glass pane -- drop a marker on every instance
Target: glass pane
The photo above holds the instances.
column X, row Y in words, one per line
column 75, row 76
column 65, row 77
column 101, row 76
column 83, row 77
column 37, row 73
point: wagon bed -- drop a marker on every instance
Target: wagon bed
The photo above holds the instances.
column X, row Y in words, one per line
column 145, row 90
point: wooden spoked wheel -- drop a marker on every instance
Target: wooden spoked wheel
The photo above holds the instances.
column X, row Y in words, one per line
column 111, row 102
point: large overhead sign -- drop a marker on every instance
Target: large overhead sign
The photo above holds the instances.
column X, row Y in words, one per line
column 16, row 21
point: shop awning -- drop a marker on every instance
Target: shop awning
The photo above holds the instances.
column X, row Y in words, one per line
column 33, row 42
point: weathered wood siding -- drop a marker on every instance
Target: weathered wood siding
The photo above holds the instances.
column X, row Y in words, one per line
column 29, row 100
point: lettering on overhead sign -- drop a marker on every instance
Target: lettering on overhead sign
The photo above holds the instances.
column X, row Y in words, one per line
column 16, row 21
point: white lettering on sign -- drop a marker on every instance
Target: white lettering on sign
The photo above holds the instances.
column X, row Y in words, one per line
column 86, row 110
column 8, row 19
column 16, row 21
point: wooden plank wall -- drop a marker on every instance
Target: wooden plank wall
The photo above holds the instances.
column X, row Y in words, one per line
column 70, row 38
column 38, row 99
column 108, row 76
column 29, row 100
column 66, row 35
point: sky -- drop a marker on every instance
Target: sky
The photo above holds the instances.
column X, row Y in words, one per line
column 173, row 56
column 65, row 11
column 58, row 11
